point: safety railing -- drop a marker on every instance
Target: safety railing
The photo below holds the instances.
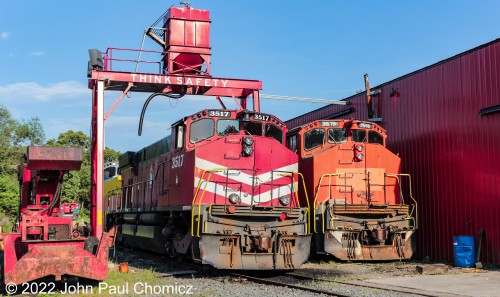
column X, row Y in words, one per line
column 415, row 208
column 205, row 179
column 129, row 192
column 368, row 185
column 114, row 55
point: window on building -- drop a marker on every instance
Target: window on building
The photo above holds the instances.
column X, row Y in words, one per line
column 201, row 130
column 337, row 135
column 225, row 127
column 313, row 139
column 374, row 137
column 274, row 132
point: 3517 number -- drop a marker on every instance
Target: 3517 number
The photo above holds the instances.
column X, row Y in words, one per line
column 177, row 161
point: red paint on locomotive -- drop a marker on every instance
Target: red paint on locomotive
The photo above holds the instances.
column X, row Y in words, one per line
column 223, row 189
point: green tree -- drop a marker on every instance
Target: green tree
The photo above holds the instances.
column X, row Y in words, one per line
column 14, row 137
column 110, row 155
column 76, row 186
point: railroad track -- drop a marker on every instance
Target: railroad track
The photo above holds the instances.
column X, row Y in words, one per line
column 292, row 286
column 206, row 271
column 370, row 286
column 396, row 289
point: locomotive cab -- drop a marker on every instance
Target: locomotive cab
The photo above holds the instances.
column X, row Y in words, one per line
column 208, row 125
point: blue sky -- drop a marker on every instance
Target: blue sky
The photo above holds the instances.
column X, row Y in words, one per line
column 316, row 49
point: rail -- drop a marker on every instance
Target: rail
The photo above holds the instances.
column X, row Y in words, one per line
column 110, row 56
column 127, row 192
column 415, row 208
column 326, row 199
column 307, row 199
column 385, row 185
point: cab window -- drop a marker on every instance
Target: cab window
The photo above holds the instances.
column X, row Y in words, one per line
column 274, row 132
column 253, row 128
column 109, row 172
column 337, row 135
column 359, row 135
column 374, row 137
column 201, row 130
column 313, row 139
column 291, row 143
column 179, row 137
column 225, row 127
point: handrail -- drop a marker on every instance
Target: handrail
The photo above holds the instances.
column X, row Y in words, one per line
column 197, row 202
column 201, row 198
column 316, row 196
column 297, row 198
column 396, row 176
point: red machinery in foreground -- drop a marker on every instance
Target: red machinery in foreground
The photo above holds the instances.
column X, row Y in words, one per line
column 43, row 243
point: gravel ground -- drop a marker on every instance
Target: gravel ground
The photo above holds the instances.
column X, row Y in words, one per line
column 221, row 283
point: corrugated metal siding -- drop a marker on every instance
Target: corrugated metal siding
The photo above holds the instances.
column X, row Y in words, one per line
column 452, row 153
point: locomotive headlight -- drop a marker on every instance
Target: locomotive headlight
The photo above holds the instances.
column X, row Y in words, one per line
column 359, row 148
column 234, row 198
column 247, row 150
column 284, row 200
column 248, row 140
column 360, row 156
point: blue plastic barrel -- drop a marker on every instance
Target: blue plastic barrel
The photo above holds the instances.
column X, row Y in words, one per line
column 463, row 251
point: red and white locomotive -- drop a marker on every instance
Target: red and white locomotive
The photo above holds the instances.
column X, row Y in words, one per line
column 223, row 189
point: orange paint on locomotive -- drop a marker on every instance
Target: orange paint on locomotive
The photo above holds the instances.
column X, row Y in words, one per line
column 354, row 187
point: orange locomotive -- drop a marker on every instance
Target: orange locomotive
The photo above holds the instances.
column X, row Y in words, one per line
column 355, row 189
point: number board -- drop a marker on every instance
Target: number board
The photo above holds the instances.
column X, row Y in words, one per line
column 219, row 113
column 261, row 117
column 329, row 124
column 364, row 125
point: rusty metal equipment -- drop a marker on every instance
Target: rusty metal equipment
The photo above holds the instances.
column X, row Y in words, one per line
column 43, row 242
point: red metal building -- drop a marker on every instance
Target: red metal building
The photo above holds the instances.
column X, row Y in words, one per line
column 444, row 121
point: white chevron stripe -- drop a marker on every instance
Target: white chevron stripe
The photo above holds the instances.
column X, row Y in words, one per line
column 218, row 189
column 244, row 177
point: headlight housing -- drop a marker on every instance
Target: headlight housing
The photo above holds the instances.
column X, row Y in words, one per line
column 247, row 150
column 248, row 140
column 234, row 198
column 360, row 156
column 284, row 200
column 247, row 146
column 359, row 148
